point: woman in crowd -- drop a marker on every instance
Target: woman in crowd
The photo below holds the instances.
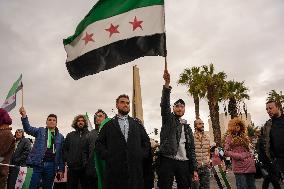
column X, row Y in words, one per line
column 7, row 145
column 237, row 146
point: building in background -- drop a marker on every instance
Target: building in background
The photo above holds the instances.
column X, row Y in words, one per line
column 224, row 120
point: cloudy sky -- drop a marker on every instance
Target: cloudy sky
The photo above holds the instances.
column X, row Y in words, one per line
column 243, row 38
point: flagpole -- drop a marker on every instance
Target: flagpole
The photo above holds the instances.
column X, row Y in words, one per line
column 166, row 62
column 22, row 96
column 9, row 165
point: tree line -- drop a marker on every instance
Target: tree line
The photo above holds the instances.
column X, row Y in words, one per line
column 204, row 82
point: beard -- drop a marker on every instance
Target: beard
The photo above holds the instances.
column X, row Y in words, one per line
column 122, row 112
column 200, row 129
column 179, row 116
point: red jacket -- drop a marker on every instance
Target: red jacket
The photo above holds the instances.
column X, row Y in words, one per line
column 242, row 159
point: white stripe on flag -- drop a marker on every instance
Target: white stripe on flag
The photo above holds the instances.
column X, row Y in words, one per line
column 218, row 171
column 153, row 23
column 21, row 177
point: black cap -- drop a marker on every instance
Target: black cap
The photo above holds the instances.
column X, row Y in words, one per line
column 179, row 101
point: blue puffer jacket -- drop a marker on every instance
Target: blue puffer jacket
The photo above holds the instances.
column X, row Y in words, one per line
column 36, row 155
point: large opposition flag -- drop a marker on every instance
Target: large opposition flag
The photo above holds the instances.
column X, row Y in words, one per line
column 115, row 32
column 10, row 101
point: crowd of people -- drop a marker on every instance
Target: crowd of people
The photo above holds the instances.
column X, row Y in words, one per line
column 118, row 152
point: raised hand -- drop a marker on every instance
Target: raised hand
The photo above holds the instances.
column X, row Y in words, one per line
column 23, row 112
column 167, row 78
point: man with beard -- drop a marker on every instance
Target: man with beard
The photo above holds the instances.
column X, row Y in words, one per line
column 89, row 147
column 123, row 143
column 73, row 153
column 202, row 151
column 177, row 149
column 272, row 143
column 19, row 157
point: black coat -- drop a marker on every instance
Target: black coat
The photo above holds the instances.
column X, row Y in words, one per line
column 171, row 132
column 73, row 149
column 88, row 153
column 124, row 160
column 21, row 153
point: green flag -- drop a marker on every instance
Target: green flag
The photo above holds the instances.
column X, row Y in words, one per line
column 10, row 101
column 100, row 164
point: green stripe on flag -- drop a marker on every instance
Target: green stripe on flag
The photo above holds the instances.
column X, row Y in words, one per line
column 28, row 178
column 107, row 8
column 16, row 87
column 224, row 176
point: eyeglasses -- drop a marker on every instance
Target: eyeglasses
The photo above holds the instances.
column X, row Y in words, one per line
column 99, row 115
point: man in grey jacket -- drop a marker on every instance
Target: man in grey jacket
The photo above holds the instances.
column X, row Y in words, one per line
column 22, row 149
column 177, row 149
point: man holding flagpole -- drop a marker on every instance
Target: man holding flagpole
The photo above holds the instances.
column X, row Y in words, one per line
column 46, row 156
column 177, row 149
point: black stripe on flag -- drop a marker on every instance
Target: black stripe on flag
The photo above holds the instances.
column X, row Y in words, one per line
column 117, row 53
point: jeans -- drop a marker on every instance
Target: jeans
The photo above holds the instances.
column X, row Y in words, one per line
column 45, row 173
column 245, row 180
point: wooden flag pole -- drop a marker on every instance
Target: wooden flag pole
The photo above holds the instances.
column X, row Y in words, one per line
column 166, row 62
column 22, row 96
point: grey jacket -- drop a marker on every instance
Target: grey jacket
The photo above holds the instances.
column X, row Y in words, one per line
column 21, row 153
column 171, row 132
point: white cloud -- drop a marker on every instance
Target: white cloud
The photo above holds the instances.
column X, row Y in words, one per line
column 243, row 38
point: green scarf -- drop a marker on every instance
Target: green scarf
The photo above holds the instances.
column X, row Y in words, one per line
column 50, row 137
column 100, row 164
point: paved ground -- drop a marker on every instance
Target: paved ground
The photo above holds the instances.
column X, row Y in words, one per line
column 258, row 182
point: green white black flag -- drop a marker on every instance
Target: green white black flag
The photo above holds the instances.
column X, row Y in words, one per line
column 115, row 32
column 10, row 101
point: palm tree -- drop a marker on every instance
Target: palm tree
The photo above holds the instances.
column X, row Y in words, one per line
column 192, row 79
column 235, row 92
column 253, row 133
column 213, row 83
column 277, row 97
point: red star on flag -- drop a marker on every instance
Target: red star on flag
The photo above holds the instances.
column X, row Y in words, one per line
column 18, row 187
column 20, row 181
column 88, row 38
column 21, row 173
column 112, row 29
column 136, row 24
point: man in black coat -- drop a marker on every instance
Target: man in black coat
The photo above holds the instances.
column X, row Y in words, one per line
column 73, row 153
column 177, row 149
column 88, row 154
column 19, row 157
column 123, row 143
column 271, row 143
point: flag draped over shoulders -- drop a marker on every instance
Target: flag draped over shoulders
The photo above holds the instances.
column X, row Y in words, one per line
column 100, row 164
column 115, row 32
